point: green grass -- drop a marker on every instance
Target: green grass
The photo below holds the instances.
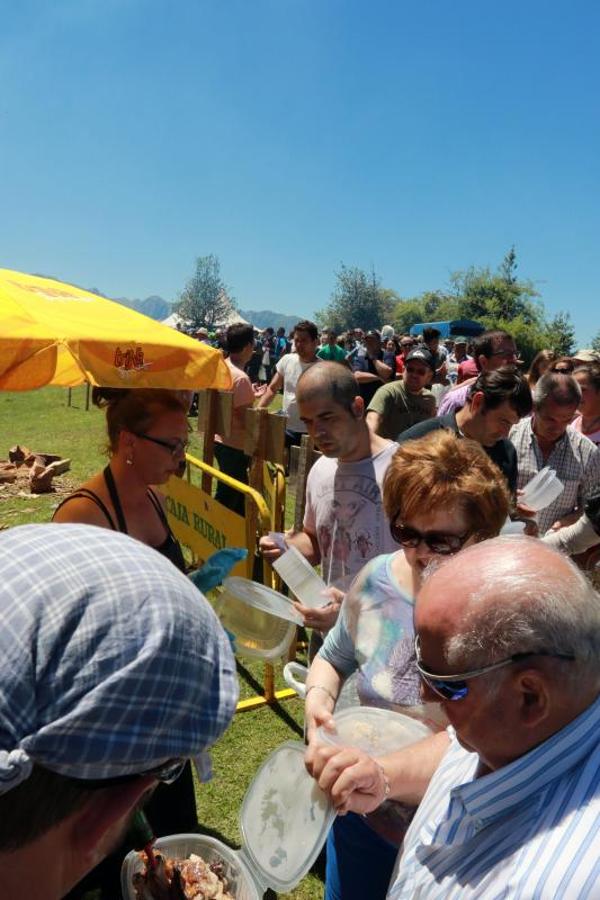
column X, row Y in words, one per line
column 42, row 421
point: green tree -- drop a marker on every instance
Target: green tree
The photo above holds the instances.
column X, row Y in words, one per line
column 559, row 335
column 204, row 302
column 596, row 343
column 357, row 301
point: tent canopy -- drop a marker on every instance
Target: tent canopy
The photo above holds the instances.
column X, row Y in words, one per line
column 463, row 327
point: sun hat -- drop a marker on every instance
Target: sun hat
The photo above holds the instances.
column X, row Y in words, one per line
column 586, row 355
column 111, row 661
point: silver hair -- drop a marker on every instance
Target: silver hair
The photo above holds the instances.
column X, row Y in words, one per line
column 561, row 388
column 538, row 612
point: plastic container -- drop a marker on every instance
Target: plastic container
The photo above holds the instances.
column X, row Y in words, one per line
column 284, row 821
column 510, row 527
column 262, row 621
column 375, row 731
column 542, row 490
column 295, row 674
column 301, row 578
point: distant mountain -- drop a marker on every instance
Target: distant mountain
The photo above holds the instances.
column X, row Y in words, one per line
column 266, row 318
column 154, row 306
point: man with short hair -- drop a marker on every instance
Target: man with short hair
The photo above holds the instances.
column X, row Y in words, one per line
column 496, row 402
column 288, row 370
column 546, row 440
column 329, row 349
column 401, row 404
column 508, row 644
column 491, row 350
column 369, row 369
column 229, row 448
column 114, row 672
column 431, row 339
column 344, row 522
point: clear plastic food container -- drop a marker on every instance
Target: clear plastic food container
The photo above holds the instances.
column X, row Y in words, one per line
column 284, row 821
column 372, row 730
column 262, row 620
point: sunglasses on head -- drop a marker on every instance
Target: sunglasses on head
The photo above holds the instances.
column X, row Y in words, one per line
column 437, row 541
column 455, row 687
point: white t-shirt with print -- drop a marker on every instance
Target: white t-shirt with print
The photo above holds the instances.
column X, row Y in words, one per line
column 344, row 509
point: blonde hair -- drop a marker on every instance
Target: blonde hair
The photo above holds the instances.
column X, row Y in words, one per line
column 442, row 470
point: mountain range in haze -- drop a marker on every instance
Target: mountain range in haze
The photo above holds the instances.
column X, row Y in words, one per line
column 157, row 308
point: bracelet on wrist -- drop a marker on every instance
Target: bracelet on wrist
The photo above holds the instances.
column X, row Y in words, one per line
column 320, row 687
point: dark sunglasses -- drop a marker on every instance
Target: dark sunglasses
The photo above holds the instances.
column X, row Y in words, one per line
column 437, row 541
column 455, row 687
column 175, row 448
column 166, row 773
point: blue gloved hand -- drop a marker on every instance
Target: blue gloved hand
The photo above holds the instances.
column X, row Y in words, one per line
column 217, row 567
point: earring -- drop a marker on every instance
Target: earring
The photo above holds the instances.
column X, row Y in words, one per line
column 129, row 461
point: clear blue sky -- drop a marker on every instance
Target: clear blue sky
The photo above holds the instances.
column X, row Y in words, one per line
column 289, row 135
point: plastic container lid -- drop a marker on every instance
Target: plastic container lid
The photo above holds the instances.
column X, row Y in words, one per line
column 375, row 731
column 261, row 597
column 510, row 527
column 301, row 578
column 258, row 635
column 284, row 820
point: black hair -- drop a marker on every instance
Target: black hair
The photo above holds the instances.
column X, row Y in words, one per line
column 485, row 343
column 501, row 386
column 309, row 327
column 430, row 334
column 238, row 336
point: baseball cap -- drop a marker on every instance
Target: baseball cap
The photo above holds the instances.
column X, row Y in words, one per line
column 111, row 661
column 423, row 354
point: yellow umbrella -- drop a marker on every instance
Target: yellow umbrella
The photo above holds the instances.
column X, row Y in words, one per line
column 56, row 333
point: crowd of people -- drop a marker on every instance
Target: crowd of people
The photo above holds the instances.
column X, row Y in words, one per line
column 116, row 672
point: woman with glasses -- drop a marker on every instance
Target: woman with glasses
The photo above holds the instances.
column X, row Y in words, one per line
column 441, row 493
column 147, row 438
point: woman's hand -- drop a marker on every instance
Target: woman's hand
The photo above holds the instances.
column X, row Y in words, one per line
column 318, row 711
column 354, row 781
column 324, row 617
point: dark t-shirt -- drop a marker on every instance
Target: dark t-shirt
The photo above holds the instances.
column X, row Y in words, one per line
column 503, row 452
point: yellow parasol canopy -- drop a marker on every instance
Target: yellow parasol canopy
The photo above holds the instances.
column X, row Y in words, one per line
column 56, row 333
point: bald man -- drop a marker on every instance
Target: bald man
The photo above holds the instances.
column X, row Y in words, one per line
column 344, row 522
column 508, row 643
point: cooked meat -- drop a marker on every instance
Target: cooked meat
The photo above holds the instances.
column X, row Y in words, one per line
column 181, row 879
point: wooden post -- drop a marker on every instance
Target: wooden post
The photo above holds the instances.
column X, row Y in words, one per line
column 87, row 395
column 69, row 396
column 210, row 427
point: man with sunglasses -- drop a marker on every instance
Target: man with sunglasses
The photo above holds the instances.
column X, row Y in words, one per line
column 114, row 671
column 508, row 644
column 491, row 350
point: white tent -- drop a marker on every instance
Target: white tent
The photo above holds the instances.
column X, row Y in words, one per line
column 232, row 317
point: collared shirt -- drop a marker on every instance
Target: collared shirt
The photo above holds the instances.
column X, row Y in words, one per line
column 528, row 830
column 454, row 400
column 574, row 458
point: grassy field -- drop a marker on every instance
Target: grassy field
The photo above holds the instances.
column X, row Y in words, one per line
column 42, row 421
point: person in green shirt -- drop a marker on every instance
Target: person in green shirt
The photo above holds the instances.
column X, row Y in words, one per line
column 329, row 349
column 399, row 405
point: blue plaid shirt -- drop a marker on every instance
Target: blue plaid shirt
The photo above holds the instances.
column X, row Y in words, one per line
column 111, row 661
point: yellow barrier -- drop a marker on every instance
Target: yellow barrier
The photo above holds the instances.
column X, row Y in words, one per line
column 204, row 525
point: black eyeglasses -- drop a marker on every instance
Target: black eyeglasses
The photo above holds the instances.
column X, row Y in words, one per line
column 175, row 448
column 455, row 687
column 437, row 541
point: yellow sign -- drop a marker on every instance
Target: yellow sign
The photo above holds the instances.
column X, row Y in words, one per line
column 203, row 524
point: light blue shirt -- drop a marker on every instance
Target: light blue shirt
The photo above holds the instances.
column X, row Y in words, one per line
column 528, row 831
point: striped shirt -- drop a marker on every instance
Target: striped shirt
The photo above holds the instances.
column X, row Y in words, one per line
column 528, row 831
column 574, row 458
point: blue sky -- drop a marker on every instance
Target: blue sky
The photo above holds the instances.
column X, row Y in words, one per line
column 287, row 136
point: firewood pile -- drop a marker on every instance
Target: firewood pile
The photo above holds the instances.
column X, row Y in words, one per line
column 32, row 470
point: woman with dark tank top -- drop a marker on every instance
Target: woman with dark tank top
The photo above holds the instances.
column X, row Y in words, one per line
column 148, row 435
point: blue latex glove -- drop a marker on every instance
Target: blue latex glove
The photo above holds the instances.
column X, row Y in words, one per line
column 217, row 567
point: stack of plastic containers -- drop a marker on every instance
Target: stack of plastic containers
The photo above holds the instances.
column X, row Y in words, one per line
column 301, row 578
column 542, row 490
